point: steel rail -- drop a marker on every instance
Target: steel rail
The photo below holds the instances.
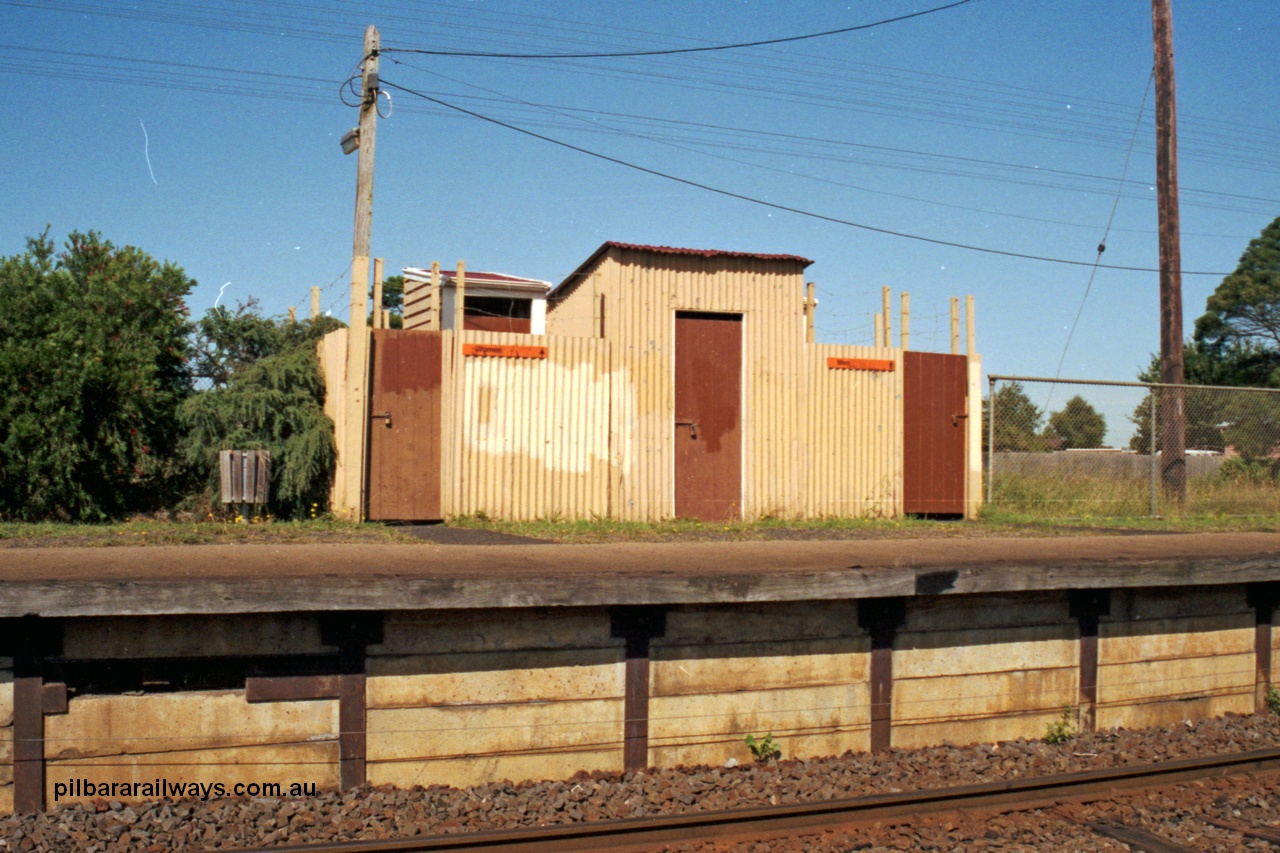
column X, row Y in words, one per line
column 804, row 818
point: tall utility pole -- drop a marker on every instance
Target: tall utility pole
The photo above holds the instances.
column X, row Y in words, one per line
column 1173, row 425
column 349, row 499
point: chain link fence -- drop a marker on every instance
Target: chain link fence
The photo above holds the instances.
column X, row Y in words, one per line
column 1067, row 448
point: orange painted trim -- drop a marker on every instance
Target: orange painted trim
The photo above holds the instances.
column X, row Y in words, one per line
column 504, row 351
column 859, row 364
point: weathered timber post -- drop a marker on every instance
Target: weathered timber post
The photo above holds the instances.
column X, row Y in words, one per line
column 887, row 310
column 955, row 325
column 349, row 499
column 351, row 633
column 1088, row 606
column 1263, row 598
column 459, row 300
column 1173, row 463
column 881, row 618
column 906, row 320
column 810, row 306
column 637, row 625
column 970, row 333
column 30, row 640
column 377, row 294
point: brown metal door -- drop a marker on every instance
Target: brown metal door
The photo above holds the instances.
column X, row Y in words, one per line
column 708, row 423
column 405, row 426
column 935, row 412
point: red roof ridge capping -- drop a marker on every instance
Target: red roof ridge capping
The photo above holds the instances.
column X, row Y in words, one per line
column 479, row 275
column 706, row 253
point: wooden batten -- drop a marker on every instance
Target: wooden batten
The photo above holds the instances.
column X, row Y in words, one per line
column 906, row 320
column 810, row 308
column 968, row 326
column 886, row 308
column 955, row 325
column 460, row 297
column 377, row 312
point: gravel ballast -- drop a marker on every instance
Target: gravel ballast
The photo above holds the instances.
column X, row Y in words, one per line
column 367, row 813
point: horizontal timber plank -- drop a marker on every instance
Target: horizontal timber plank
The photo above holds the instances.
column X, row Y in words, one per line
column 261, row 579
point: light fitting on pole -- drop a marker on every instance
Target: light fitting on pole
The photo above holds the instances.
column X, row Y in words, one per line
column 351, row 140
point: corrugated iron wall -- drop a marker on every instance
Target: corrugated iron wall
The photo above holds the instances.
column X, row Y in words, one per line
column 639, row 317
column 590, row 429
column 854, row 434
column 528, row 437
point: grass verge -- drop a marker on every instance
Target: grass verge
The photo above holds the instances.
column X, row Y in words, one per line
column 153, row 532
column 995, row 522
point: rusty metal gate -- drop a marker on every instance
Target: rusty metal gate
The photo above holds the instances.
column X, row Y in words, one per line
column 708, row 416
column 405, row 426
column 935, row 415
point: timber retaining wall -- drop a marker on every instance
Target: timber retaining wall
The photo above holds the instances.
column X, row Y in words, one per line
column 467, row 696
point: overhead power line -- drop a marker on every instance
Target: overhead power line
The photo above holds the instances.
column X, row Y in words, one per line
column 676, row 50
column 775, row 205
column 1102, row 245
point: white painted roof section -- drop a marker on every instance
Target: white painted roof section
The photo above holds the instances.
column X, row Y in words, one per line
column 489, row 281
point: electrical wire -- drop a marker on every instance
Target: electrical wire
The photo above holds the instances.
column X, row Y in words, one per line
column 291, row 20
column 680, row 50
column 774, row 205
column 1102, row 245
column 795, row 142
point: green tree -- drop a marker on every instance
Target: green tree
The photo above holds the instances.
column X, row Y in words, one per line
column 1078, row 425
column 267, row 395
column 1203, row 408
column 1245, row 307
column 93, row 343
column 1018, row 421
column 227, row 343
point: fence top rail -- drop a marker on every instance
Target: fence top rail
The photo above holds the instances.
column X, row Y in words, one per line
column 992, row 378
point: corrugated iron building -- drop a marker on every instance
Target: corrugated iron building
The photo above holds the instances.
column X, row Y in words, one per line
column 676, row 383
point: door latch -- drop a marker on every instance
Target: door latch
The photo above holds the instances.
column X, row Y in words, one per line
column 386, row 418
column 692, row 425
column 955, row 419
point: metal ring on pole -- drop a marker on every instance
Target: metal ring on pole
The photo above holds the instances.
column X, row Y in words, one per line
column 390, row 106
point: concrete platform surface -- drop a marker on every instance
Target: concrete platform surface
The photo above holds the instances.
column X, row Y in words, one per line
column 253, row 579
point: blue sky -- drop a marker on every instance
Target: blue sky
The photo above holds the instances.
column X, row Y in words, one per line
column 207, row 134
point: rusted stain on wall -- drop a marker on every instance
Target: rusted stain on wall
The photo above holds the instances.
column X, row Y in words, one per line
column 530, row 438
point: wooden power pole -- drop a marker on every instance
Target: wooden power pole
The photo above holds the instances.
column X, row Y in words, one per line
column 349, row 499
column 1173, row 425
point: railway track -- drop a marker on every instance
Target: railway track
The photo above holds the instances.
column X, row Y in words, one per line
column 773, row 822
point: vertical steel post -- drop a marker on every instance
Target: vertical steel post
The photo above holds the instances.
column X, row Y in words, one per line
column 991, row 438
column 1154, row 425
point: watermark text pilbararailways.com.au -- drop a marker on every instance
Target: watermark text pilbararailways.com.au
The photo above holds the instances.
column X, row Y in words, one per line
column 157, row 789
